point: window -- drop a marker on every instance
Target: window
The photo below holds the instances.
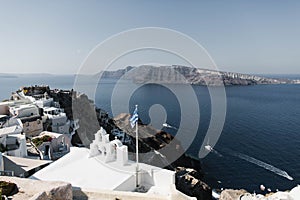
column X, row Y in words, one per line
column 104, row 152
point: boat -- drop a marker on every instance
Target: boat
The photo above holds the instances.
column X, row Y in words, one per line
column 215, row 194
column 208, row 147
column 169, row 126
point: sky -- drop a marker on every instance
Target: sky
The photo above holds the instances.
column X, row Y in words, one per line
column 240, row 36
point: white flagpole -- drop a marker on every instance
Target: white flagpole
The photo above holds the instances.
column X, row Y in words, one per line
column 137, row 150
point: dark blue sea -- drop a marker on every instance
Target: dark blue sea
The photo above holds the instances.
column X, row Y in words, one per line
column 260, row 141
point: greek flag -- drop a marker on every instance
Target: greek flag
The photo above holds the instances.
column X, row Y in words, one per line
column 134, row 118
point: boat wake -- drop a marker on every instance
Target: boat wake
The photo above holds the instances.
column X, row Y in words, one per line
column 217, row 153
column 209, row 148
column 264, row 165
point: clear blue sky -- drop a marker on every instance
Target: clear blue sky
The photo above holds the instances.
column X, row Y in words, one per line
column 241, row 36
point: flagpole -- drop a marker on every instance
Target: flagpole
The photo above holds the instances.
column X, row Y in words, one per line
column 137, row 150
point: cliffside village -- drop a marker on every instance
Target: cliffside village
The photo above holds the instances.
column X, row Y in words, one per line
column 34, row 130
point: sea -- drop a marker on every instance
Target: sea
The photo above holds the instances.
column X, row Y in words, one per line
column 260, row 140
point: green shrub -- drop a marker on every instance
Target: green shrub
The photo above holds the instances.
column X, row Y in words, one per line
column 38, row 141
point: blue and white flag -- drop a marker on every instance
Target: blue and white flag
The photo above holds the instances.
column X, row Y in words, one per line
column 134, row 118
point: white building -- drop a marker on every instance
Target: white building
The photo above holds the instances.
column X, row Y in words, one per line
column 56, row 147
column 5, row 106
column 26, row 110
column 106, row 167
column 58, row 120
column 32, row 126
column 3, row 120
column 44, row 102
column 30, row 117
column 21, row 167
column 108, row 151
column 13, row 141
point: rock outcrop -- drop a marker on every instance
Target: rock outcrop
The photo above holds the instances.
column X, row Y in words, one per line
column 84, row 110
column 40, row 190
column 188, row 181
column 170, row 155
column 8, row 188
column 230, row 194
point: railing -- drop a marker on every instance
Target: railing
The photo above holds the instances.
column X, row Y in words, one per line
column 6, row 173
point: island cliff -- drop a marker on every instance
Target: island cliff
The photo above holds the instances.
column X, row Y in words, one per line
column 177, row 74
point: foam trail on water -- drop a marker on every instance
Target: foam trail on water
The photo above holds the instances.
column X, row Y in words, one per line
column 217, row 153
column 264, row 165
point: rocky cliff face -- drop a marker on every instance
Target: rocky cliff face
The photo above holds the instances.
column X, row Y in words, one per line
column 39, row 190
column 188, row 181
column 230, row 194
column 176, row 74
column 170, row 155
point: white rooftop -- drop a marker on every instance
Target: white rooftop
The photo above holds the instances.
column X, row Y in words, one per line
column 52, row 134
column 18, row 164
column 50, row 108
column 9, row 130
column 15, row 102
column 23, row 106
column 3, row 116
column 91, row 173
column 81, row 171
column 105, row 166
